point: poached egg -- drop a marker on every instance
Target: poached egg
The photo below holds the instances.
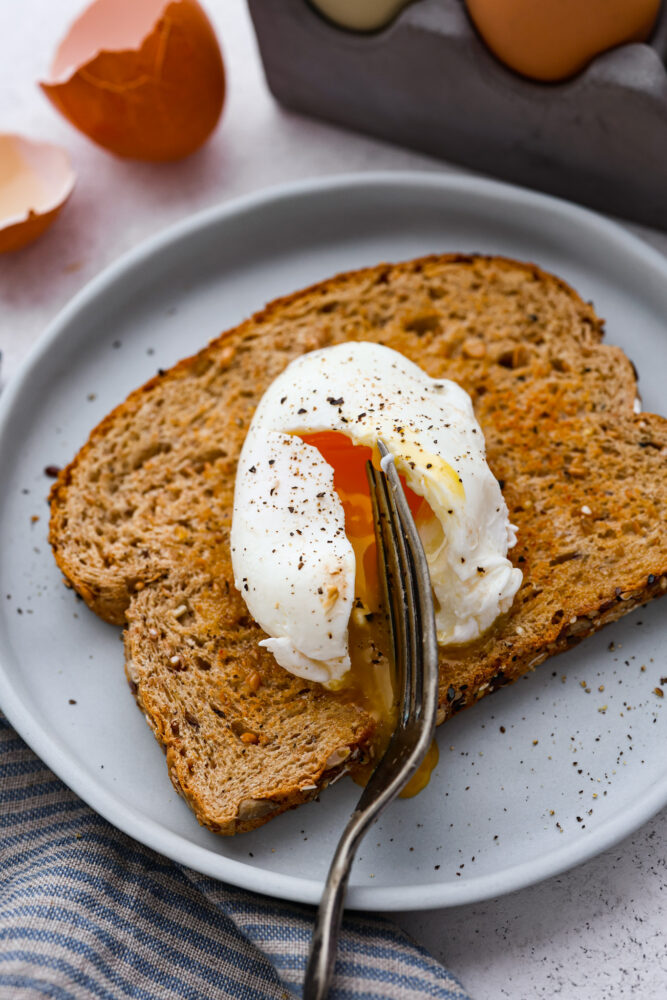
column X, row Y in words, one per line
column 302, row 539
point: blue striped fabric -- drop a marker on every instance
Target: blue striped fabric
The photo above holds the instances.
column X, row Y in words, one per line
column 86, row 912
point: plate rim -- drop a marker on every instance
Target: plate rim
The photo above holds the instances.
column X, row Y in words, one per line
column 176, row 847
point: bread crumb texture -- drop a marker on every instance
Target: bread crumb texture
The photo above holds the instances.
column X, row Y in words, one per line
column 140, row 519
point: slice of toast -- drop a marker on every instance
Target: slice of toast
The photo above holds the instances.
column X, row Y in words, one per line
column 140, row 519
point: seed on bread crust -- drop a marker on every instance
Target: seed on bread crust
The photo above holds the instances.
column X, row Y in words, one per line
column 337, row 757
column 254, row 681
column 255, row 808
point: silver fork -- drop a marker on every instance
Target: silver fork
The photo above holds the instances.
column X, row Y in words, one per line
column 408, row 597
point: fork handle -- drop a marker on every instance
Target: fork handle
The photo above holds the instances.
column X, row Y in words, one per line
column 322, row 958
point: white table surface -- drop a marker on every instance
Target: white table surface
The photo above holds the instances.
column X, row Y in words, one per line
column 595, row 932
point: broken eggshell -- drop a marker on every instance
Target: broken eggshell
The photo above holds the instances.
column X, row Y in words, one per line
column 36, row 179
column 142, row 78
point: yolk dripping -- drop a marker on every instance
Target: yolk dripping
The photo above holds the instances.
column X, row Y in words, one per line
column 348, row 461
column 369, row 683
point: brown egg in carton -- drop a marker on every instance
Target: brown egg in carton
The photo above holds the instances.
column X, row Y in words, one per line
column 426, row 80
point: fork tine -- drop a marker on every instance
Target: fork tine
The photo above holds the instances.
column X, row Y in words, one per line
column 424, row 632
column 410, row 653
column 402, row 599
column 384, row 570
column 394, row 561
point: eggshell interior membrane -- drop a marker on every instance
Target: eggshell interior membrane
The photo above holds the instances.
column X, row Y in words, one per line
column 36, row 179
column 292, row 559
column 107, row 25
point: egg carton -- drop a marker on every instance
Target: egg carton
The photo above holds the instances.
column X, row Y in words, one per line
column 427, row 81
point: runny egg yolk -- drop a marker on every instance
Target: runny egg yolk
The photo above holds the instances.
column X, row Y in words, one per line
column 348, row 460
column 368, row 681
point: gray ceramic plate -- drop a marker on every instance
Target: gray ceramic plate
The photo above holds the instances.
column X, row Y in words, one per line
column 531, row 781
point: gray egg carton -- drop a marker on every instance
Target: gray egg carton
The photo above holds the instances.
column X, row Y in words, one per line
column 427, row 81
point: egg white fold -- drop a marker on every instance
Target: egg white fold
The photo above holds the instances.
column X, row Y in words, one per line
column 292, row 560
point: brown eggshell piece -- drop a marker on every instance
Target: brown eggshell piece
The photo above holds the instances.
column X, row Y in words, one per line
column 142, row 78
column 36, row 179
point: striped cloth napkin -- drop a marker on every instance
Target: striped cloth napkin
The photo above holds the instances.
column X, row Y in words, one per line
column 86, row 912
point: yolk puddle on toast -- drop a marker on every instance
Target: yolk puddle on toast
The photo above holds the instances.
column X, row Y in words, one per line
column 369, row 682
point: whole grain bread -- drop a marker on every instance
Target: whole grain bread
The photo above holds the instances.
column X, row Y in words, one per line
column 140, row 519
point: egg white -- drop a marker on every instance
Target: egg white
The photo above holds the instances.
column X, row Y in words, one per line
column 291, row 558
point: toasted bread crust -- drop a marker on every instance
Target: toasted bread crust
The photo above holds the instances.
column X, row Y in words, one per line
column 140, row 519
